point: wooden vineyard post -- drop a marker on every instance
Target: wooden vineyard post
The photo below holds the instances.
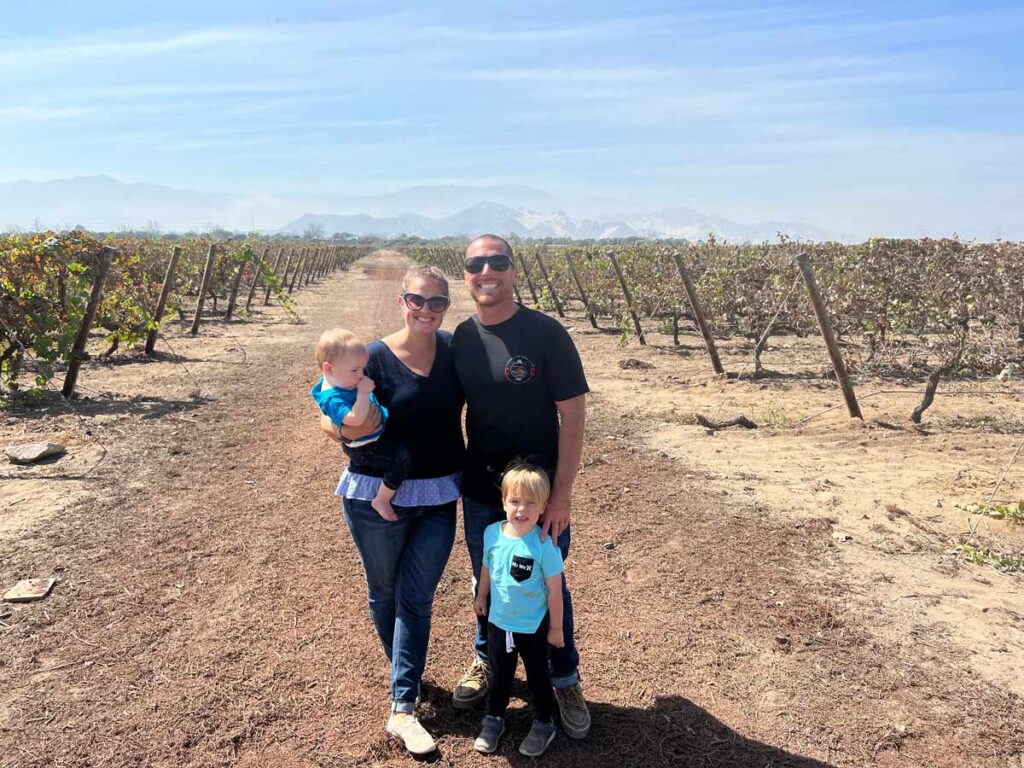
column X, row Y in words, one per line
column 629, row 299
column 311, row 268
column 307, row 257
column 203, row 288
column 698, row 313
column 579, row 287
column 307, row 278
column 317, row 264
column 314, row 271
column 258, row 268
column 283, row 277
column 804, row 262
column 235, row 284
column 551, row 288
column 529, row 282
column 78, row 347
column 298, row 268
column 161, row 303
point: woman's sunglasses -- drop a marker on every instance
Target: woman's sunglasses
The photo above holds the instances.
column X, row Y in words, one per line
column 434, row 303
column 475, row 264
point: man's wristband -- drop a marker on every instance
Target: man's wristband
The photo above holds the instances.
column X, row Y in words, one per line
column 344, row 440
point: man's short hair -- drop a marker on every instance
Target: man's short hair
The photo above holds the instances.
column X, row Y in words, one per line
column 335, row 344
column 505, row 244
column 528, row 479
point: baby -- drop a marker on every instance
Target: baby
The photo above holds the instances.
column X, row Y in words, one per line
column 345, row 394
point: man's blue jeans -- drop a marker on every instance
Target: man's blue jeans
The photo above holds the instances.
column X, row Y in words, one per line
column 403, row 562
column 565, row 661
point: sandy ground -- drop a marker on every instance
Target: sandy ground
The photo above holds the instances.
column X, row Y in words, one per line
column 784, row 596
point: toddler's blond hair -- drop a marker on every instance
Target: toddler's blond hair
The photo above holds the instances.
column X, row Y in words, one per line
column 335, row 344
column 530, row 480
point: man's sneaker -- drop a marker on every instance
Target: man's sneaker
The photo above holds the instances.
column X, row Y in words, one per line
column 408, row 729
column 574, row 712
column 490, row 734
column 473, row 685
column 538, row 739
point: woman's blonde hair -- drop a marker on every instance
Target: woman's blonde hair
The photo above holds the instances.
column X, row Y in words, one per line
column 424, row 272
column 530, row 480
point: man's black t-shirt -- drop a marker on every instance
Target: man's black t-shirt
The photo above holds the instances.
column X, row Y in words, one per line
column 512, row 374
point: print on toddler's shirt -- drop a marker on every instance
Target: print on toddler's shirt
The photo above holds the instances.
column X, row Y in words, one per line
column 521, row 568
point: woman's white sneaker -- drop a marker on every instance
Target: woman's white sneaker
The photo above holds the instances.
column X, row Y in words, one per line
column 408, row 730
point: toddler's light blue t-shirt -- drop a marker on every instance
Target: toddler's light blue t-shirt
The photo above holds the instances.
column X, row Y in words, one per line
column 518, row 568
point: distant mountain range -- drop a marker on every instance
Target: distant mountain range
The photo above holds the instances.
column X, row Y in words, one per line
column 104, row 204
column 682, row 223
column 101, row 203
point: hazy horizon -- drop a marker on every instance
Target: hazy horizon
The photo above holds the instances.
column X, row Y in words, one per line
column 875, row 120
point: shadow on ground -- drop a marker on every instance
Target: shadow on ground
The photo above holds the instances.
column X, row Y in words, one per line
column 52, row 403
column 673, row 732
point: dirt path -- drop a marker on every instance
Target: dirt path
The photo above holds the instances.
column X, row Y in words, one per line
column 211, row 610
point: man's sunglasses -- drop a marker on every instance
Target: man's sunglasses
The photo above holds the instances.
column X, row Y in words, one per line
column 475, row 264
column 434, row 303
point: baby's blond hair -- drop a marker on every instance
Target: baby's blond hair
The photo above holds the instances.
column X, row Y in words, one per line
column 335, row 344
column 530, row 480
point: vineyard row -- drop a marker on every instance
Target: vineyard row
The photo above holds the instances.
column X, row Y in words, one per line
column 931, row 308
column 55, row 289
column 906, row 306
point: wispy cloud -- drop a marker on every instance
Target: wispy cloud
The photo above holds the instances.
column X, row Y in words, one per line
column 552, row 32
column 602, row 75
column 39, row 114
column 21, row 55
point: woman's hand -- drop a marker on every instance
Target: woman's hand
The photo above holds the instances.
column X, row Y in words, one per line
column 556, row 637
column 328, row 428
column 368, row 427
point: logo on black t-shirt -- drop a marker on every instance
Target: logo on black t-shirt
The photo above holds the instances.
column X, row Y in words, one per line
column 521, row 568
column 520, row 369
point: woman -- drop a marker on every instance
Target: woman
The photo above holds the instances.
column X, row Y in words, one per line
column 404, row 560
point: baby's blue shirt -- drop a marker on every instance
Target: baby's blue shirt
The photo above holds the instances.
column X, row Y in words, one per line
column 335, row 403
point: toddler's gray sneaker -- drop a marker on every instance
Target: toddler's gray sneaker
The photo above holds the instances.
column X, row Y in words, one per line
column 538, row 739
column 490, row 734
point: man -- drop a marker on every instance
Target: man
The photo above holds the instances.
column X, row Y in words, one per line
column 525, row 399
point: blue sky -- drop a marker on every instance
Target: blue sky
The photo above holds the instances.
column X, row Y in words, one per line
column 863, row 118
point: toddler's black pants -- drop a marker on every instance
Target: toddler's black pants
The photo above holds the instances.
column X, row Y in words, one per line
column 534, row 650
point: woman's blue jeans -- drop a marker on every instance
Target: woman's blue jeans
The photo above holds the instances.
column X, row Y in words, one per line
column 403, row 562
column 565, row 661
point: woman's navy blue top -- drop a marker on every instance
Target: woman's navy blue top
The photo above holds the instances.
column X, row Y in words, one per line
column 424, row 412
